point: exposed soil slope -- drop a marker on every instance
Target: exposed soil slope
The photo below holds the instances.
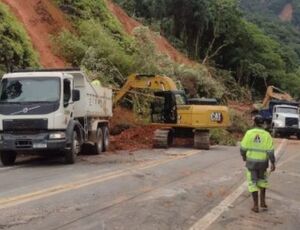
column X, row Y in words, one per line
column 162, row 44
column 41, row 19
column 287, row 12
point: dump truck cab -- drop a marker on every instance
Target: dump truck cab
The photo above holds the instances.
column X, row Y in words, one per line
column 33, row 102
column 285, row 120
column 50, row 111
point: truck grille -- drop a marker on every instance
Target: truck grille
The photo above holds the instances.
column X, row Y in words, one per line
column 25, row 124
column 23, row 144
column 291, row 122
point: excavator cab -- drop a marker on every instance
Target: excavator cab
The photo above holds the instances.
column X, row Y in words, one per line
column 164, row 106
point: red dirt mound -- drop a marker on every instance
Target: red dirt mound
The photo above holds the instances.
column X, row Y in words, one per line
column 131, row 134
column 162, row 44
column 123, row 116
column 133, row 139
column 41, row 19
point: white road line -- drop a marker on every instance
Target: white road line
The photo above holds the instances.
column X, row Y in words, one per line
column 217, row 211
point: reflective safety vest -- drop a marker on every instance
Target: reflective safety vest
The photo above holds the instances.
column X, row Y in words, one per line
column 96, row 82
column 258, row 146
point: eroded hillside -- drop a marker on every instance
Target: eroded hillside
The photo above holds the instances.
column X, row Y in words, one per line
column 41, row 19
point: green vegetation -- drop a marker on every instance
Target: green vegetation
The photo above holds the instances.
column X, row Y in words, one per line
column 240, row 123
column 271, row 9
column 102, row 47
column 16, row 50
column 265, row 14
column 216, row 33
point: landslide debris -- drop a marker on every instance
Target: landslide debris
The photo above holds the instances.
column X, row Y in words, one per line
column 128, row 133
column 41, row 19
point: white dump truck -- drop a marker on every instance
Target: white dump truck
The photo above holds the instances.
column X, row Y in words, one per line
column 285, row 120
column 52, row 111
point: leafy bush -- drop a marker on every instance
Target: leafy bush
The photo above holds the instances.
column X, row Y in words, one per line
column 16, row 51
column 103, row 56
column 240, row 123
column 222, row 137
column 199, row 82
column 85, row 10
column 70, row 47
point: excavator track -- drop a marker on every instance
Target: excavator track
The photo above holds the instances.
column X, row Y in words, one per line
column 163, row 138
column 201, row 139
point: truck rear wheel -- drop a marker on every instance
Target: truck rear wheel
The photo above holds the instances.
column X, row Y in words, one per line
column 105, row 131
column 99, row 141
column 71, row 154
column 8, row 158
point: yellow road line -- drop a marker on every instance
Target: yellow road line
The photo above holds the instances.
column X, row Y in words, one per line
column 12, row 201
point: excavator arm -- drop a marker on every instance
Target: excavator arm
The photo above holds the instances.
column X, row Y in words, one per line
column 275, row 93
column 139, row 81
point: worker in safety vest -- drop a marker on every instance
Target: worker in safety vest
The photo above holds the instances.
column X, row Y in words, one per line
column 96, row 82
column 257, row 150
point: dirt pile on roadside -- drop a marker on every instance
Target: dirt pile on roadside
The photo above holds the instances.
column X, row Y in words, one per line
column 41, row 19
column 134, row 138
column 162, row 44
column 122, row 120
column 127, row 133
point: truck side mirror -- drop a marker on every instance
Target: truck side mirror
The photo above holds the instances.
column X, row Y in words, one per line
column 75, row 95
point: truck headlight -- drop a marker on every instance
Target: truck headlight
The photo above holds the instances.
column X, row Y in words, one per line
column 58, row 135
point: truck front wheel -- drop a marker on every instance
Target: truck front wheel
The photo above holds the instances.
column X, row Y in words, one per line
column 71, row 154
column 8, row 158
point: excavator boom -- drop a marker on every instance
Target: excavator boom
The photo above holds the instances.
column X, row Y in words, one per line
column 139, row 81
column 275, row 93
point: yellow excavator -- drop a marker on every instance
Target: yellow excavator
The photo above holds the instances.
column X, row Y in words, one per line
column 272, row 93
column 277, row 94
column 175, row 114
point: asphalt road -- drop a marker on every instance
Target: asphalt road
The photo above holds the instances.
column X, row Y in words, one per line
column 178, row 188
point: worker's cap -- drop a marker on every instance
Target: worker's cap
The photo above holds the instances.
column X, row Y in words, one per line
column 258, row 120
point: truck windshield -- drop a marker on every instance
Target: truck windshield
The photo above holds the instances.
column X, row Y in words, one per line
column 287, row 110
column 18, row 90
